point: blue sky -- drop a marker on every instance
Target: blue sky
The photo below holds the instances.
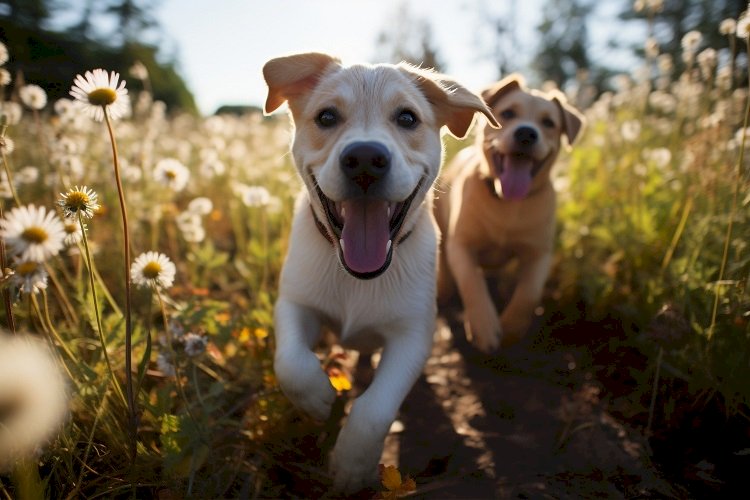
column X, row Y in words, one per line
column 222, row 45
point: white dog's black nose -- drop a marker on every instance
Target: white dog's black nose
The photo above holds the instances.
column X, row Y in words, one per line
column 526, row 136
column 365, row 162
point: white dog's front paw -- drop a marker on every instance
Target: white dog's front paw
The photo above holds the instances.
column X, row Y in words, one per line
column 354, row 463
column 305, row 383
column 483, row 326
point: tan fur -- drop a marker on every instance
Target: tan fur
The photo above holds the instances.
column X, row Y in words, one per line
column 482, row 229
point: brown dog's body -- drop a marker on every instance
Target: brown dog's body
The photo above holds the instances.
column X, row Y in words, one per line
column 497, row 202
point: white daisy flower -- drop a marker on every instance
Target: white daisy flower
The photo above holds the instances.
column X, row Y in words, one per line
column 32, row 233
column 172, row 173
column 33, row 395
column 29, row 276
column 12, row 112
column 33, row 96
column 153, row 270
column 7, row 145
column 200, row 206
column 73, row 233
column 79, row 200
column 98, row 90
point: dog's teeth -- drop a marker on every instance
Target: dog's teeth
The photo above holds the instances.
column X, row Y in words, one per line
column 388, row 246
column 341, row 242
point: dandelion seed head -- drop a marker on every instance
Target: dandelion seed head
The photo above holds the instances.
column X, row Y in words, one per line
column 12, row 111
column 728, row 26
column 7, row 145
column 33, row 96
column 34, row 391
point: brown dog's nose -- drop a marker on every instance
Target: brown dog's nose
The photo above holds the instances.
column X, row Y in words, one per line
column 526, row 136
column 365, row 162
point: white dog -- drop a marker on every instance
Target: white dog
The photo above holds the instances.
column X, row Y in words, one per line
column 362, row 252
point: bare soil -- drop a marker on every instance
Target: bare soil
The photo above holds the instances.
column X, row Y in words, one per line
column 551, row 418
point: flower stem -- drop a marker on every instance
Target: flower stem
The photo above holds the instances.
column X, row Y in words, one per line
column 732, row 212
column 94, row 297
column 25, row 477
column 128, row 322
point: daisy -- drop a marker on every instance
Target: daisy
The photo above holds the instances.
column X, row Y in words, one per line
column 153, row 270
column 194, row 344
column 33, row 96
column 99, row 90
column 79, row 200
column 29, row 276
column 172, row 173
column 32, row 233
column 35, row 397
column 73, row 233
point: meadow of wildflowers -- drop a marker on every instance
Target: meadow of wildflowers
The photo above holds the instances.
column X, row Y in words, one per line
column 167, row 385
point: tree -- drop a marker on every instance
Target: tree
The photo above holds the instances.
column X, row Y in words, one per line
column 563, row 43
column 408, row 39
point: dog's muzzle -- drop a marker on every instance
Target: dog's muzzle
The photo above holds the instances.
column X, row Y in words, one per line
column 365, row 226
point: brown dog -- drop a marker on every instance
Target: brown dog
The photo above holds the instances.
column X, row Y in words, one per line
column 499, row 204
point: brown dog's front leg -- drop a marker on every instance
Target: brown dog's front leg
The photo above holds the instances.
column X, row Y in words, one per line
column 517, row 316
column 481, row 320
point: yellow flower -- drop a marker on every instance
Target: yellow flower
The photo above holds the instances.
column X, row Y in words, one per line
column 339, row 380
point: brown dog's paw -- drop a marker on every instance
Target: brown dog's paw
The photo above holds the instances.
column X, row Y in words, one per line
column 483, row 329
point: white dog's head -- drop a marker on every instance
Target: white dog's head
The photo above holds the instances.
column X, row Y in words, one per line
column 367, row 145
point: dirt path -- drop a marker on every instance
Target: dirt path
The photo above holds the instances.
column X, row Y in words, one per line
column 527, row 423
column 524, row 424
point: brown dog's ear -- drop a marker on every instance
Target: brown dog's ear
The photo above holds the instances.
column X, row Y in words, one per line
column 454, row 104
column 573, row 120
column 293, row 76
column 496, row 91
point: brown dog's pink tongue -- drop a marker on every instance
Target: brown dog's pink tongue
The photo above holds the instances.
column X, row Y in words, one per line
column 365, row 235
column 516, row 176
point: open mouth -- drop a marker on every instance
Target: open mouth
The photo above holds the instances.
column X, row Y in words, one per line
column 365, row 229
column 516, row 171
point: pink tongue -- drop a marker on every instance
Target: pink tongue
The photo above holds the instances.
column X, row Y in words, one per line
column 366, row 233
column 516, row 176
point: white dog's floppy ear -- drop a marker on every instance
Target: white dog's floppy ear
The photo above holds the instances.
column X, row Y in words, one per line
column 455, row 105
column 293, row 76
column 492, row 94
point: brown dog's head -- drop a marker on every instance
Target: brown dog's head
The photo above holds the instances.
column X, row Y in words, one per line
column 521, row 153
column 367, row 145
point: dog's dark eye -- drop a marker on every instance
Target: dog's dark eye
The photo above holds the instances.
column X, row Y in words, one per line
column 407, row 119
column 547, row 122
column 327, row 118
column 507, row 114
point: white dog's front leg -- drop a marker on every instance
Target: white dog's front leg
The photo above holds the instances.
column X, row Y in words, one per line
column 360, row 443
column 297, row 368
